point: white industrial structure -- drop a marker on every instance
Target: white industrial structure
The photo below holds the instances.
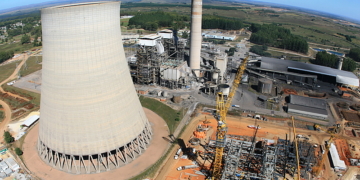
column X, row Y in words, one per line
column 91, row 118
column 336, row 161
column 196, row 38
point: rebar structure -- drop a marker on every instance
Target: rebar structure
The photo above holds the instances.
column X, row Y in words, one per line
column 91, row 118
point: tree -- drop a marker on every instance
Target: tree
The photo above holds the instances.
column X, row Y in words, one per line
column 348, row 64
column 8, row 138
column 185, row 35
column 355, row 54
column 18, row 151
column 25, row 39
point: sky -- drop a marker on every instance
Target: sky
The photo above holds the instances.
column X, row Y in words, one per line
column 345, row 8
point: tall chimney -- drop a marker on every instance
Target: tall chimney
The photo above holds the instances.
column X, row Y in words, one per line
column 196, row 38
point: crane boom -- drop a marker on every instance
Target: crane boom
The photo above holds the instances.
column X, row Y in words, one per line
column 222, row 109
column 296, row 150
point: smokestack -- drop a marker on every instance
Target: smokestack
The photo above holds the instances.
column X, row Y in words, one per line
column 195, row 41
column 340, row 63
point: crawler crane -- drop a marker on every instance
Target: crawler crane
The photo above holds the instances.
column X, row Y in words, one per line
column 222, row 108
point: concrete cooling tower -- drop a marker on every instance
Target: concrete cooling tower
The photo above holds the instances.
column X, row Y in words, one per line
column 91, row 118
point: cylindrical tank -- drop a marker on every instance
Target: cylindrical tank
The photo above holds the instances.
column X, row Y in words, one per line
column 177, row 98
column 165, row 93
column 90, row 113
column 264, row 86
column 224, row 88
column 196, row 38
column 340, row 63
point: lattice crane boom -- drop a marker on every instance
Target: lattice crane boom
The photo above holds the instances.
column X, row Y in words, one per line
column 222, row 109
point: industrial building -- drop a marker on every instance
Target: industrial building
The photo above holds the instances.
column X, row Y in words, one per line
column 337, row 163
column 221, row 36
column 304, row 73
column 91, row 118
column 307, row 106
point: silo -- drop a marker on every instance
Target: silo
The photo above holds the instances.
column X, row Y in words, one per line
column 195, row 35
column 91, row 118
column 177, row 98
column 224, row 88
column 264, row 86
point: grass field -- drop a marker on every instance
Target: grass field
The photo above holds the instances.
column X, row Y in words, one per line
column 7, row 70
column 16, row 47
column 32, row 65
column 313, row 28
column 164, row 111
column 35, row 96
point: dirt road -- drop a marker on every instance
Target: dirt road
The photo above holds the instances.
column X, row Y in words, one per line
column 154, row 152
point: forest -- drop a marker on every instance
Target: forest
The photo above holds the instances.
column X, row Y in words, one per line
column 355, row 54
column 276, row 36
column 5, row 55
column 153, row 20
column 330, row 60
column 217, row 22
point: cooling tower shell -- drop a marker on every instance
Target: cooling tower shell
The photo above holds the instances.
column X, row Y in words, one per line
column 89, row 108
column 264, row 86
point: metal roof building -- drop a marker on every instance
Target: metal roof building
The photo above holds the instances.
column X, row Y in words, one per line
column 306, row 106
column 337, row 162
column 335, row 75
column 91, row 118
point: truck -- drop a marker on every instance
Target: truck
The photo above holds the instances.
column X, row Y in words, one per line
column 235, row 106
column 186, row 167
column 177, row 153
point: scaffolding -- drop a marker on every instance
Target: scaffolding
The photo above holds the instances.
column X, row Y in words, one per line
column 265, row 159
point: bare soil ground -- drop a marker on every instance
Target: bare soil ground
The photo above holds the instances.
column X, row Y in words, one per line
column 156, row 150
column 236, row 126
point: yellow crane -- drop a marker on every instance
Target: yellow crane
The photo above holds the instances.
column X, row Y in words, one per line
column 317, row 169
column 222, row 108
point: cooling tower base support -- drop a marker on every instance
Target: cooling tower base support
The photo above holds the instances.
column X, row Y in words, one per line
column 96, row 163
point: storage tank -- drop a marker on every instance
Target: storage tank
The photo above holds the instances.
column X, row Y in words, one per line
column 224, row 88
column 177, row 98
column 91, row 118
column 264, row 86
column 165, row 94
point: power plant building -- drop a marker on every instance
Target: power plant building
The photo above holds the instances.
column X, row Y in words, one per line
column 304, row 71
column 306, row 106
column 91, row 118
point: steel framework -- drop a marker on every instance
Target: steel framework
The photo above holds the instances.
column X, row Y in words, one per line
column 96, row 163
column 222, row 109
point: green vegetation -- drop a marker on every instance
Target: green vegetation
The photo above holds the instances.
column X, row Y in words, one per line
column 164, row 111
column 8, row 138
column 276, row 36
column 153, row 20
column 154, row 5
column 5, row 55
column 355, row 54
column 7, row 70
column 2, row 115
column 32, row 96
column 331, row 60
column 18, row 151
column 260, row 50
column 217, row 22
column 231, row 51
column 32, row 65
column 25, row 39
column 347, row 37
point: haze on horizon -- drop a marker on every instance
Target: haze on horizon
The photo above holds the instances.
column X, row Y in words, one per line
column 344, row 8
